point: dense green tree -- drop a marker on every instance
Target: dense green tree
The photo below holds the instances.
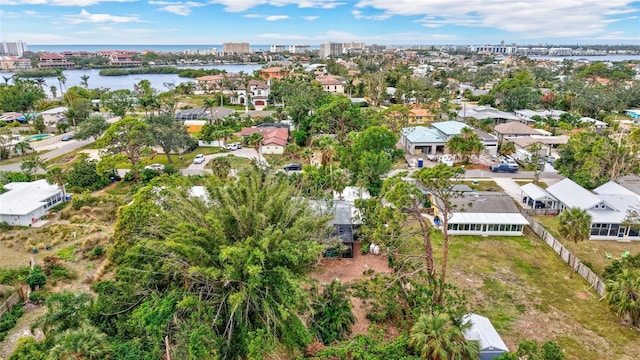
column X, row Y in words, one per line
column 79, row 111
column 130, row 136
column 591, row 159
column 31, row 165
column 65, row 311
column 119, row 102
column 435, row 337
column 169, row 134
column 21, row 96
column 373, row 165
column 83, row 175
column 575, row 226
column 93, row 127
column 535, row 160
column 234, row 261
column 36, row 278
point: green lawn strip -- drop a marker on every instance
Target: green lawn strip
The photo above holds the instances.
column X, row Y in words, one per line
column 530, row 181
column 482, row 185
column 68, row 253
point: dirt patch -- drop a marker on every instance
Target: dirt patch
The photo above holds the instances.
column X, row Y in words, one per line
column 349, row 271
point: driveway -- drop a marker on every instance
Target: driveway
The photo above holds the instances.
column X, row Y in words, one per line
column 200, row 169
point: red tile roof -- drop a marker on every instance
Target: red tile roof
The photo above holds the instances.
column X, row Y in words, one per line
column 277, row 136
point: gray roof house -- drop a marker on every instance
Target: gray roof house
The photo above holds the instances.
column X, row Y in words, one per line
column 608, row 205
column 482, row 331
column 485, row 112
column 485, row 213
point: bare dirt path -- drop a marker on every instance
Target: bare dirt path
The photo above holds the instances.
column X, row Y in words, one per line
column 22, row 329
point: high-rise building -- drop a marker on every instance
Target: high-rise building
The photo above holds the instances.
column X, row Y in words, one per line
column 353, row 47
column 235, row 48
column 13, row 48
column 331, row 49
column 278, row 48
column 299, row 49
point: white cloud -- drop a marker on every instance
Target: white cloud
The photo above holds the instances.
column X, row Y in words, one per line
column 244, row 5
column 60, row 2
column 254, row 16
column 311, row 18
column 177, row 7
column 87, row 17
column 358, row 15
column 276, row 17
column 539, row 18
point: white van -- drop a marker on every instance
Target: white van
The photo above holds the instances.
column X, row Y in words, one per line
column 232, row 146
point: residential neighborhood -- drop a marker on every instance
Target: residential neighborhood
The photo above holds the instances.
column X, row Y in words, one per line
column 357, row 185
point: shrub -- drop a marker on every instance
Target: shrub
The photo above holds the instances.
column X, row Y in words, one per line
column 9, row 320
column 36, row 278
column 37, row 297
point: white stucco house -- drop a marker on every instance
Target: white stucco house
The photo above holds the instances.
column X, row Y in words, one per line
column 52, row 116
column 26, row 202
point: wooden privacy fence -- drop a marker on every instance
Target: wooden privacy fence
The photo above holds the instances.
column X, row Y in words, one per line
column 592, row 278
column 15, row 298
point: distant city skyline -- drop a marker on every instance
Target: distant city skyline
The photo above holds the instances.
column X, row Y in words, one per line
column 286, row 22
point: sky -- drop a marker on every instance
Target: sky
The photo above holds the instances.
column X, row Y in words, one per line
column 285, row 22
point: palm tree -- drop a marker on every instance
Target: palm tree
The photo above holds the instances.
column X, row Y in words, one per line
column 307, row 154
column 507, row 148
column 62, row 80
column 209, row 104
column 435, row 337
column 623, row 295
column 84, row 81
column 86, row 342
column 40, row 82
column 55, row 175
column 575, row 226
column 332, row 315
column 255, row 140
column 221, row 166
column 54, row 91
column 23, row 147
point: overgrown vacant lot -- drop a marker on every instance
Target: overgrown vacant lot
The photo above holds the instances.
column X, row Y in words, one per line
column 524, row 288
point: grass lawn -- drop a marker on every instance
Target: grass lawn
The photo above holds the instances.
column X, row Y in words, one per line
column 482, row 185
column 592, row 251
column 239, row 163
column 523, row 287
column 529, row 181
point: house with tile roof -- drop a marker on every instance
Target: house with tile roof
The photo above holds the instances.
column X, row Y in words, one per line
column 274, row 139
column 332, row 84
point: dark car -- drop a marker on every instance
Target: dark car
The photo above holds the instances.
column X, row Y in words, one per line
column 504, row 167
column 293, row 166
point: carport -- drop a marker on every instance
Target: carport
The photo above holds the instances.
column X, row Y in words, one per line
column 536, row 197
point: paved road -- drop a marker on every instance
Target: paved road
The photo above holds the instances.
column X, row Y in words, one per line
column 52, row 152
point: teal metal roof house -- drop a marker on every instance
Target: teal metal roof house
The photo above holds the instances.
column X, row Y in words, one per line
column 449, row 128
column 481, row 330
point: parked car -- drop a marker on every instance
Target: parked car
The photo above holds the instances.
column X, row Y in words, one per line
column 551, row 159
column 156, row 167
column 238, row 145
column 503, row 167
column 432, row 157
column 232, row 146
column 512, row 163
column 199, row 159
column 67, row 137
column 293, row 166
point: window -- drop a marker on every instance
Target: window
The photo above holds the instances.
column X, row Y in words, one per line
column 491, row 227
